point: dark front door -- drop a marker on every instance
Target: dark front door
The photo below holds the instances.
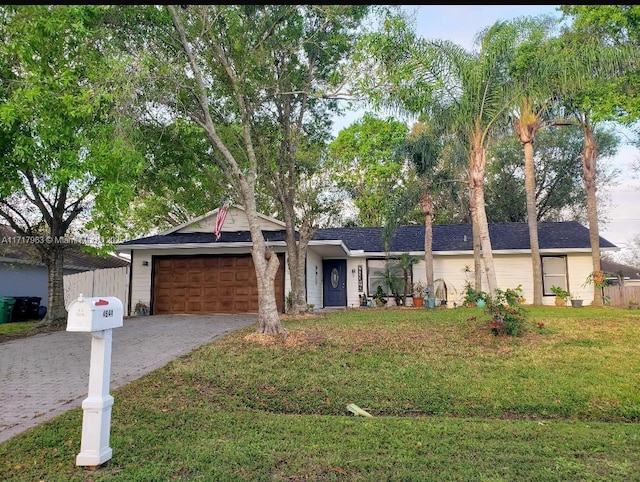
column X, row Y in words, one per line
column 335, row 282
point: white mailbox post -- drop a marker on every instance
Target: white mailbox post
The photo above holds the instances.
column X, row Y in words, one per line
column 96, row 316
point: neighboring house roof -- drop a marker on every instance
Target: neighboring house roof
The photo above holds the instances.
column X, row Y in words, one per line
column 615, row 269
column 12, row 250
column 446, row 238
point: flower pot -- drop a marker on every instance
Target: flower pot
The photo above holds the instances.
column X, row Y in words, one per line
column 560, row 301
column 418, row 302
column 576, row 303
column 431, row 302
column 481, row 303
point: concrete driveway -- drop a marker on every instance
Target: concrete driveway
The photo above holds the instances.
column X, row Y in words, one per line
column 46, row 375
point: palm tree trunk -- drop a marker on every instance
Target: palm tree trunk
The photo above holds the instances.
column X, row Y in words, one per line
column 427, row 209
column 477, row 251
column 532, row 218
column 476, row 179
column 589, row 156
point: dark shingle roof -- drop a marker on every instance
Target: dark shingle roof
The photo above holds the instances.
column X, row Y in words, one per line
column 446, row 237
column 203, row 238
column 457, row 237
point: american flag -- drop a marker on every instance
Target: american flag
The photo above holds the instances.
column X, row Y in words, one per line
column 222, row 214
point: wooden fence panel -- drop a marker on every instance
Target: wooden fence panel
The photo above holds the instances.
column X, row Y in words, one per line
column 100, row 282
column 620, row 295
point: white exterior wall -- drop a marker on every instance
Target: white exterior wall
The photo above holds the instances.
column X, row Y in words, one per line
column 140, row 278
column 314, row 282
column 451, row 269
column 580, row 266
column 353, row 294
column 511, row 271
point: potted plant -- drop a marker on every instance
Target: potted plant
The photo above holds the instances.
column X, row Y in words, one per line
column 380, row 297
column 473, row 297
column 141, row 309
column 576, row 301
column 561, row 295
column 419, row 290
column 482, row 299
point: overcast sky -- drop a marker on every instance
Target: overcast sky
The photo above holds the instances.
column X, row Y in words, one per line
column 460, row 24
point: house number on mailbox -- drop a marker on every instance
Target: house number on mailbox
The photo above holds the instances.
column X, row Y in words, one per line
column 107, row 313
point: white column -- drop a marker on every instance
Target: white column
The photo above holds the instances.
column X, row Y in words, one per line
column 96, row 419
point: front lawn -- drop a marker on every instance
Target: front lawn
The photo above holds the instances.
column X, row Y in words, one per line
column 450, row 401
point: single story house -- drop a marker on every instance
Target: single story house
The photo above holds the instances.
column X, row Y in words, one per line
column 22, row 274
column 187, row 270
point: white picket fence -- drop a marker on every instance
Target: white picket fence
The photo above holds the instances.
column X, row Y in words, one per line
column 100, row 282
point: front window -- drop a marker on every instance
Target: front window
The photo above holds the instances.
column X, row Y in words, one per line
column 375, row 276
column 381, row 272
column 554, row 273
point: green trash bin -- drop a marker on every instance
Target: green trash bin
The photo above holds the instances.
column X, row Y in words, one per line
column 6, row 308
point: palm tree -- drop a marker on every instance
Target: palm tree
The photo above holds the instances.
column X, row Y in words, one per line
column 473, row 103
column 591, row 91
column 534, row 98
column 422, row 150
column 468, row 94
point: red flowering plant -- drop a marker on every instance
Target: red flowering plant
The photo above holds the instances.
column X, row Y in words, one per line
column 508, row 317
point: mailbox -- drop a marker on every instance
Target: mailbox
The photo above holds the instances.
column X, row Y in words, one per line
column 94, row 314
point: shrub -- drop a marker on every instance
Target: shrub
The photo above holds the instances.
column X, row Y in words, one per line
column 508, row 317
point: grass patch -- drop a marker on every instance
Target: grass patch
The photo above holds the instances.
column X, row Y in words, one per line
column 450, row 401
column 16, row 327
column 24, row 329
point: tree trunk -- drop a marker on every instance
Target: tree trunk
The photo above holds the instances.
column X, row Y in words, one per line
column 56, row 311
column 266, row 263
column 476, row 178
column 477, row 251
column 297, row 273
column 297, row 255
column 427, row 209
column 589, row 156
column 527, row 138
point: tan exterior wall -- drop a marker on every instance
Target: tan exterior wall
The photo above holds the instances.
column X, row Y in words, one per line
column 235, row 221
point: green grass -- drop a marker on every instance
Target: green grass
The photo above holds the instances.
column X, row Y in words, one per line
column 16, row 327
column 450, row 401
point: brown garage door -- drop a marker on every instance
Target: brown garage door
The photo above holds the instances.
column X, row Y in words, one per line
column 209, row 284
